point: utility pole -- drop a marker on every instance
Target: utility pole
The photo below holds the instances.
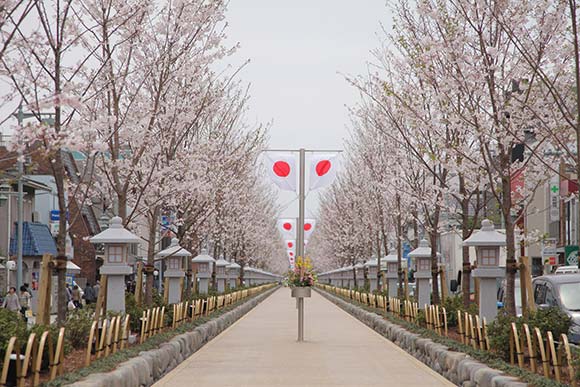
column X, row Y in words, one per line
column 20, row 215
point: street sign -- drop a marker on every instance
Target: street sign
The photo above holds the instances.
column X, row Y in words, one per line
column 555, row 199
column 571, row 253
column 54, row 215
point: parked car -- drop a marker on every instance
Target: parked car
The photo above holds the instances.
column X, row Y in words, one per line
column 518, row 296
column 560, row 291
column 567, row 270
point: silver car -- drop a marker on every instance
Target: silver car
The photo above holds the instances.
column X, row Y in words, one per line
column 561, row 291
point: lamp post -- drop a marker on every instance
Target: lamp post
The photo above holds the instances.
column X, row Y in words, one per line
column 204, row 266
column 221, row 275
column 487, row 243
column 422, row 257
column 359, row 279
column 116, row 240
column 373, row 271
column 233, row 270
column 20, row 115
column 174, row 256
column 392, row 274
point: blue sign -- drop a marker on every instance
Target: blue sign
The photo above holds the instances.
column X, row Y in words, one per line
column 55, row 215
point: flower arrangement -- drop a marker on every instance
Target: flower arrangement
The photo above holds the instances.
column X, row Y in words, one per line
column 302, row 275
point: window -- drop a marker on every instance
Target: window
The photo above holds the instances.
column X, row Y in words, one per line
column 115, row 254
column 540, row 294
column 173, row 264
column 550, row 297
column 203, row 268
column 488, row 257
column 423, row 264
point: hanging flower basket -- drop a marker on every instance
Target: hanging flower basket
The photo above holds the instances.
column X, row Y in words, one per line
column 301, row 292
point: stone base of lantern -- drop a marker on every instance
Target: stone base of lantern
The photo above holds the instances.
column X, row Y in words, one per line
column 393, row 288
column 116, row 286
column 488, row 291
column 424, row 290
column 221, row 285
column 203, row 285
column 232, row 283
column 372, row 284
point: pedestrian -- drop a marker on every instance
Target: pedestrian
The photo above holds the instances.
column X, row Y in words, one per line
column 96, row 288
column 76, row 297
column 11, row 300
column 68, row 293
column 89, row 294
column 24, row 300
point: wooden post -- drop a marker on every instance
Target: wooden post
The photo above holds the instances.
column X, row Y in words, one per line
column 444, row 290
column 101, row 306
column 406, row 281
column 45, row 285
column 166, row 290
column 139, row 284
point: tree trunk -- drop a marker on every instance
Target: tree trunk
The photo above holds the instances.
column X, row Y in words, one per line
column 59, row 178
column 153, row 216
column 511, row 268
column 465, row 233
column 399, row 248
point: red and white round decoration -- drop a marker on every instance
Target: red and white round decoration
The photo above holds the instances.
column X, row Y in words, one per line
column 323, row 170
column 309, row 225
column 287, row 227
column 282, row 169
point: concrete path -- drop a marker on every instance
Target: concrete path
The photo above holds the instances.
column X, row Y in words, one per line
column 261, row 350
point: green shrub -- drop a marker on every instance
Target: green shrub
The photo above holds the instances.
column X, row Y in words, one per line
column 135, row 311
column 454, row 303
column 11, row 324
column 498, row 332
column 78, row 327
column 551, row 319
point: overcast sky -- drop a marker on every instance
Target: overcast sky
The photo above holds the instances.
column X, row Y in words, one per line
column 300, row 51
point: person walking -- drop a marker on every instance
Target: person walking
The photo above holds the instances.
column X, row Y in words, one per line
column 76, row 297
column 24, row 300
column 11, row 301
column 89, row 295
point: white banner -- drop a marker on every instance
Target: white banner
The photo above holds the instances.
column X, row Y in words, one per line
column 309, row 225
column 287, row 227
column 323, row 170
column 282, row 170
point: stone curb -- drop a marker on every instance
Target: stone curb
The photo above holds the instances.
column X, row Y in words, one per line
column 457, row 367
column 152, row 365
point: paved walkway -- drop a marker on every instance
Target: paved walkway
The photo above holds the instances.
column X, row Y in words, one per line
column 261, row 350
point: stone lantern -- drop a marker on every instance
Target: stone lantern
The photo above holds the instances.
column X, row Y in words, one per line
column 487, row 243
column 116, row 241
column 422, row 257
column 233, row 270
column 204, row 265
column 174, row 257
column 359, row 269
column 392, row 261
column 221, row 274
column 373, row 271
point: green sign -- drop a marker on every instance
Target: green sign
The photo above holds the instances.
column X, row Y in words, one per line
column 571, row 255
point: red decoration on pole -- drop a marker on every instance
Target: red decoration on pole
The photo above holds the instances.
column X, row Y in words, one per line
column 307, row 226
column 281, row 168
column 322, row 167
column 287, row 226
